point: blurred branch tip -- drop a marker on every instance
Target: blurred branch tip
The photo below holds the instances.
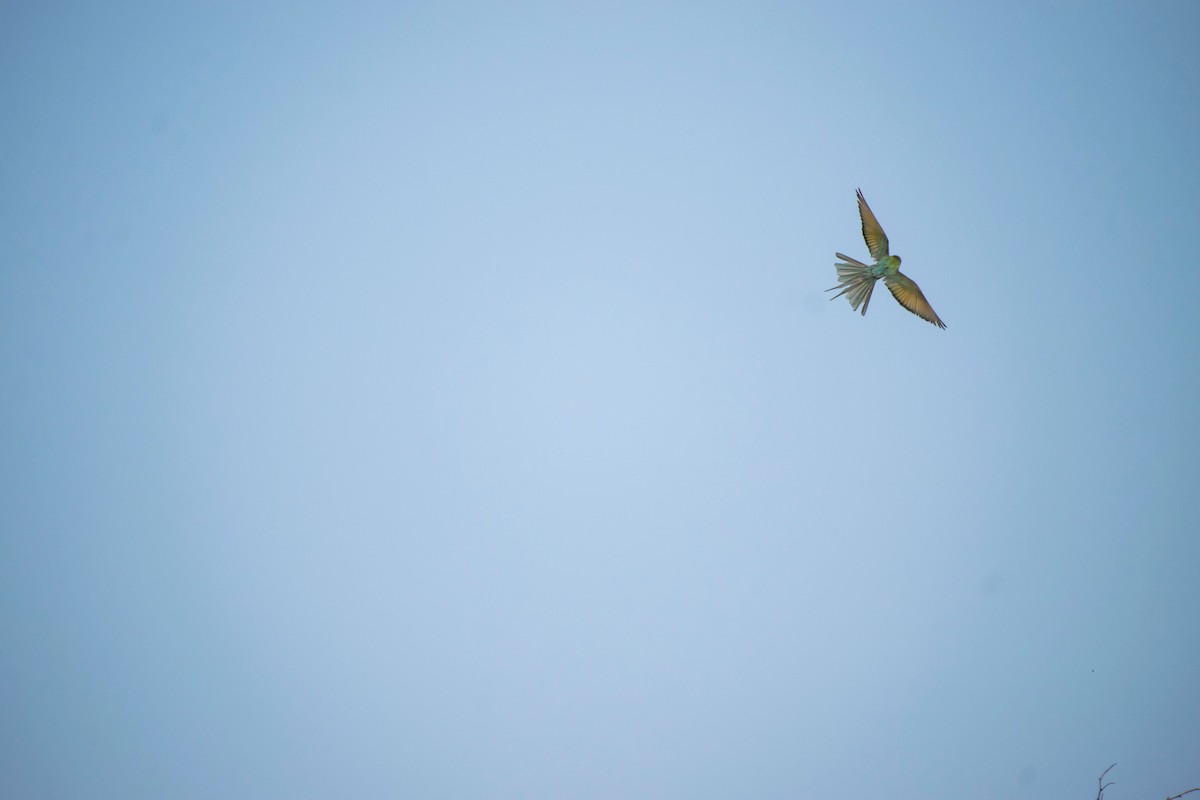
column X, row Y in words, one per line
column 1100, row 782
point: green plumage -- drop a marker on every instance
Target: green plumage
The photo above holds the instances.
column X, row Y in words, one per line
column 857, row 280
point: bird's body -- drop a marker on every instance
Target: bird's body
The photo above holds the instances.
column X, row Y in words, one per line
column 858, row 279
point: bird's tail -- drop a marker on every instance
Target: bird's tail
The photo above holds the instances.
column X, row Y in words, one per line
column 857, row 282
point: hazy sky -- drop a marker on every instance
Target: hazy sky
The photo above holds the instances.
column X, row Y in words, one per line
column 442, row 401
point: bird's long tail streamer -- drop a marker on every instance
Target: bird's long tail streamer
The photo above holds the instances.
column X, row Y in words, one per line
column 857, row 282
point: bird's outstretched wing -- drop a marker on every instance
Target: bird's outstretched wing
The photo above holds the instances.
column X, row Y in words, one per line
column 873, row 233
column 908, row 294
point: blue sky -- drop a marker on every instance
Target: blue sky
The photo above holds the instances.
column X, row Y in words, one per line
column 442, row 401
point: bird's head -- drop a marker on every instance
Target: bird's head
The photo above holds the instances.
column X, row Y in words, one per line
column 897, row 260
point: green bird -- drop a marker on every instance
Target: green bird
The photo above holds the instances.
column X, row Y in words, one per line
column 858, row 279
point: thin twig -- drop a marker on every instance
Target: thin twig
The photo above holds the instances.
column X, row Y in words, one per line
column 1100, row 782
column 1181, row 794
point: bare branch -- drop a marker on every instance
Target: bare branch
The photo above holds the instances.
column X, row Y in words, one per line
column 1100, row 782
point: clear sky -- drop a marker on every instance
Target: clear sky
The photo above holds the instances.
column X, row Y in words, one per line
column 442, row 401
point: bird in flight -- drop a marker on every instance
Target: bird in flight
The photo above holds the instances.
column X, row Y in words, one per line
column 858, row 279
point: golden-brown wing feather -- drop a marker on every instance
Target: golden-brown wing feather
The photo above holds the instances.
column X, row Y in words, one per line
column 873, row 233
column 909, row 295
